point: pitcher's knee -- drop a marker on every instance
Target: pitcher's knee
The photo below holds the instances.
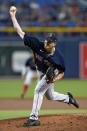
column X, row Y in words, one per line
column 39, row 90
column 50, row 97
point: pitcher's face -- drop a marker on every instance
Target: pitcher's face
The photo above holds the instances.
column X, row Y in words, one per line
column 49, row 46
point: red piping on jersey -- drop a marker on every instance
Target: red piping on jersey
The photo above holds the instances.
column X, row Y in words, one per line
column 37, row 102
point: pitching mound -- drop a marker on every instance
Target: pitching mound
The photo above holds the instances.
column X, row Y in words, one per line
column 61, row 122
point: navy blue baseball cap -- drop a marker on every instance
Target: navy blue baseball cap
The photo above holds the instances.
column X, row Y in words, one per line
column 51, row 38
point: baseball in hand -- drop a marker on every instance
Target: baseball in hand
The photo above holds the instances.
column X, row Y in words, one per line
column 13, row 8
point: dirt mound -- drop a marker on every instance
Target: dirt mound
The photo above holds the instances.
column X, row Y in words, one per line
column 61, row 122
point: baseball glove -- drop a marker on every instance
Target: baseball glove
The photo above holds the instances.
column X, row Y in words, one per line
column 51, row 73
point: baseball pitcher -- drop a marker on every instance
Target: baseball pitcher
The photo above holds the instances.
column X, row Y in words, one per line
column 50, row 67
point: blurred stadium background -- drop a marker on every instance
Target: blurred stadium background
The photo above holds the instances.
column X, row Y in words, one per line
column 67, row 18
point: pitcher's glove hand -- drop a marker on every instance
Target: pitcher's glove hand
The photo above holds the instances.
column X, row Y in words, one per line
column 51, row 74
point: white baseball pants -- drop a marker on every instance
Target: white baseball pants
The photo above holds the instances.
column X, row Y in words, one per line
column 42, row 88
column 29, row 76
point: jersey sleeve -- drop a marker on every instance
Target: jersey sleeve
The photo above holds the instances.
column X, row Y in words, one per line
column 31, row 42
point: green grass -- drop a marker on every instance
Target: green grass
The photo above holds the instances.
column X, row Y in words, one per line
column 25, row 113
column 13, row 88
column 77, row 87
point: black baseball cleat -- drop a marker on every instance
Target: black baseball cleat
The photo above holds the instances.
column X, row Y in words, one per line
column 72, row 100
column 31, row 122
